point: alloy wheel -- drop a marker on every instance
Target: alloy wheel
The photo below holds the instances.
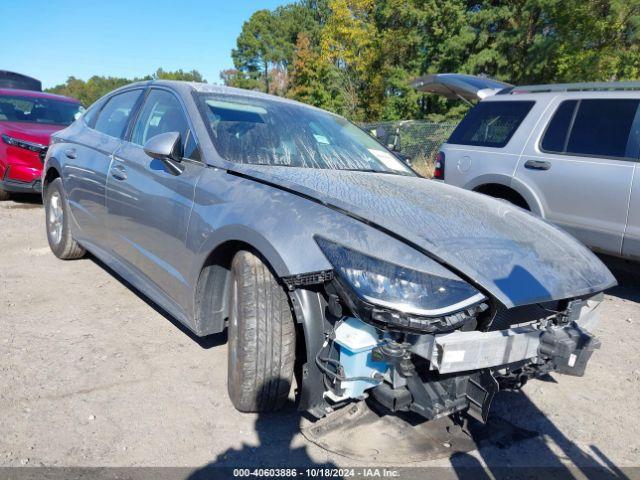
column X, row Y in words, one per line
column 55, row 217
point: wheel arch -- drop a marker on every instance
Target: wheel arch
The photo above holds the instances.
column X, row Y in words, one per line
column 50, row 175
column 211, row 302
column 212, row 310
column 504, row 192
column 493, row 183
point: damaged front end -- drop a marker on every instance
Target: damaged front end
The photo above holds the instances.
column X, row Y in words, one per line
column 434, row 358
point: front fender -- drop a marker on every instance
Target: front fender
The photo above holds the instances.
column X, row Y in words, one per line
column 247, row 235
column 51, row 162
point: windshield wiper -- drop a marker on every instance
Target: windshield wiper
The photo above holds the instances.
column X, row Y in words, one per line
column 371, row 170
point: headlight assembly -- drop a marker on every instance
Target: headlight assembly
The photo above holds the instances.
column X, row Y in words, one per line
column 399, row 288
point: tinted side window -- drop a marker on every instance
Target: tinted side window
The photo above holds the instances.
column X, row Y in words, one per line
column 161, row 113
column 491, row 124
column 602, row 127
column 556, row 134
column 114, row 116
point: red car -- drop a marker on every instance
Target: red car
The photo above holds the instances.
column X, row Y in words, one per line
column 27, row 120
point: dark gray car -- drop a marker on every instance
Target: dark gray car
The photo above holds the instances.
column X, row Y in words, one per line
column 323, row 255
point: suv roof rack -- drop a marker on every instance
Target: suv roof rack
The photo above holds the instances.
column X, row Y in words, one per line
column 571, row 87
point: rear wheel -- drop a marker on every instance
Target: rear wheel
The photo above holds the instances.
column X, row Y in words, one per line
column 262, row 337
column 4, row 195
column 62, row 244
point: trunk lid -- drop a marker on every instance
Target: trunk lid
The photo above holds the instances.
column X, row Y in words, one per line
column 459, row 86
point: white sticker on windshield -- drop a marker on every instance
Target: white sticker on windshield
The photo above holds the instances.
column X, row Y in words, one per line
column 385, row 157
column 321, row 139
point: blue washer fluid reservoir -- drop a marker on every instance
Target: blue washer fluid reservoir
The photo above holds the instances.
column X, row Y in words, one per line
column 356, row 340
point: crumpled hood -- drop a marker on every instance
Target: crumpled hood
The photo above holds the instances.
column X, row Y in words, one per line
column 518, row 258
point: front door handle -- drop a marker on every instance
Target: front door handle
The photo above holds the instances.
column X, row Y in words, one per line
column 71, row 153
column 118, row 172
column 537, row 165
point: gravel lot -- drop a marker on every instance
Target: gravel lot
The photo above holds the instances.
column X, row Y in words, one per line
column 93, row 375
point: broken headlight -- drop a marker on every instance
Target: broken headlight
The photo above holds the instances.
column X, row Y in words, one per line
column 400, row 288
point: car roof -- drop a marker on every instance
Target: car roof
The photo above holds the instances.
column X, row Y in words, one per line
column 199, row 87
column 570, row 90
column 33, row 93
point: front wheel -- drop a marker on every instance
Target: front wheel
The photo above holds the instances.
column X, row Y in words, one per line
column 262, row 337
column 62, row 244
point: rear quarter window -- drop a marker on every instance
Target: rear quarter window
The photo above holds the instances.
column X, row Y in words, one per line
column 114, row 117
column 491, row 124
column 91, row 114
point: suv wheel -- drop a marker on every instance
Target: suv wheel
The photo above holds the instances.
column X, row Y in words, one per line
column 62, row 244
column 262, row 337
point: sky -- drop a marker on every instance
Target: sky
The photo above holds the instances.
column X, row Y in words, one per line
column 54, row 39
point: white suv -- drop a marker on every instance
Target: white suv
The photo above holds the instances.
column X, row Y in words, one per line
column 565, row 152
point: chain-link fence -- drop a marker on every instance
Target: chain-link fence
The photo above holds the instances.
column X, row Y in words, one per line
column 418, row 140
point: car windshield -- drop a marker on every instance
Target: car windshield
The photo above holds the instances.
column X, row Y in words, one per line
column 259, row 131
column 38, row 110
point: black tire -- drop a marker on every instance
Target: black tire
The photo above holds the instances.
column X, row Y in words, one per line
column 4, row 195
column 262, row 337
column 62, row 244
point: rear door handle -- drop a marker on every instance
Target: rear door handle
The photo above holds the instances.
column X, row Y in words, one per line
column 71, row 153
column 537, row 165
column 118, row 172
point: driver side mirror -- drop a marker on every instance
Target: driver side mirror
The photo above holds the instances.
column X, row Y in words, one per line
column 165, row 147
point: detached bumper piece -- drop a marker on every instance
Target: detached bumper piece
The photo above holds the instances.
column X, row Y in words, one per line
column 568, row 349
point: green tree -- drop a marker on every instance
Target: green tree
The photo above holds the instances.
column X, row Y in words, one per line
column 89, row 91
column 97, row 86
column 236, row 78
column 313, row 80
column 358, row 57
column 349, row 41
column 262, row 46
column 192, row 76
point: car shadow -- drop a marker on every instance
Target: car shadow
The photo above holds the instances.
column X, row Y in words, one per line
column 278, row 446
column 537, row 448
column 25, row 200
column 209, row 341
column 549, row 453
column 627, row 275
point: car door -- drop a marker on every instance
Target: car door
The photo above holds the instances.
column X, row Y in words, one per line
column 581, row 167
column 148, row 206
column 87, row 160
column 631, row 241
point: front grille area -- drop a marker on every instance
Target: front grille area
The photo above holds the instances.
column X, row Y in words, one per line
column 506, row 318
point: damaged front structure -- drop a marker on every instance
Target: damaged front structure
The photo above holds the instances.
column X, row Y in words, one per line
column 440, row 374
